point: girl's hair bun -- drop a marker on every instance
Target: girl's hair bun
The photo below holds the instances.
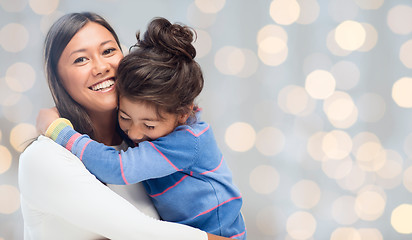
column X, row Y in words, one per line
column 175, row 39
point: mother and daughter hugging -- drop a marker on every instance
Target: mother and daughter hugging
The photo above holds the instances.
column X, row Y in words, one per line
column 157, row 138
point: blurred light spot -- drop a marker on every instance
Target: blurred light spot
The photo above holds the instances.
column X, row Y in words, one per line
column 210, row 6
column 343, row 210
column 301, row 225
column 369, row 205
column 407, row 179
column 341, row 10
column 320, row 84
column 346, row 74
column 294, row 100
column 333, row 46
column 203, row 43
column 350, row 35
column 401, row 92
column 269, row 221
column 272, row 45
column 251, row 64
column 337, row 144
column 270, row 141
column 284, row 12
column 400, row 19
column 22, row 135
column 198, row 18
column 393, row 165
column 9, row 199
column 354, row 180
column 401, row 219
column 370, row 234
column 264, row 179
column 371, row 38
column 20, row 111
column 44, row 7
column 316, row 61
column 5, row 159
column 309, row 11
column 314, row 146
column 305, row 194
column 370, row 156
column 346, row 233
column 337, row 169
column 369, row 4
column 7, row 96
column 229, row 60
column 271, row 30
column 13, row 6
column 404, row 54
column 240, row 136
column 20, row 77
column 47, row 21
column 361, row 138
column 340, row 110
column 371, row 106
column 14, row 37
column 273, row 59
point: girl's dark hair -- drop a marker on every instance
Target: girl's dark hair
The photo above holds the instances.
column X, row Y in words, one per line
column 161, row 70
column 59, row 35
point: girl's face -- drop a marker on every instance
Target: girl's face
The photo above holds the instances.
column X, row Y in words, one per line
column 87, row 68
column 141, row 122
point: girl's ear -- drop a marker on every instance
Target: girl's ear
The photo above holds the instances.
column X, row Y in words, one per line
column 182, row 118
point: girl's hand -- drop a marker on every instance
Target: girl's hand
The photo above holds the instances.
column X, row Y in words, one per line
column 45, row 117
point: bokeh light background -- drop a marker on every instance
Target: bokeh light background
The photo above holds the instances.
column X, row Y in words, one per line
column 310, row 101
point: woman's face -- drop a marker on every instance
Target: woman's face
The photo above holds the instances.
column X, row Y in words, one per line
column 87, row 68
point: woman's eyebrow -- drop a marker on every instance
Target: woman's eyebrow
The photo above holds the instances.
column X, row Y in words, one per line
column 83, row 49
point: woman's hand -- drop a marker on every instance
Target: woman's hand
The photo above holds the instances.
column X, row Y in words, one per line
column 45, row 117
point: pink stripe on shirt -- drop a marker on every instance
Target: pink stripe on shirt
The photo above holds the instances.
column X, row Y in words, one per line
column 229, row 200
column 85, row 145
column 121, row 169
column 177, row 169
column 200, row 133
column 72, row 139
column 167, row 189
column 221, row 160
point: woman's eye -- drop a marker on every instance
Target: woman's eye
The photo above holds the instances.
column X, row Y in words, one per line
column 80, row 60
column 108, row 51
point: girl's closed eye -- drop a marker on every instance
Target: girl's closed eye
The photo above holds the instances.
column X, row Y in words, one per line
column 149, row 127
column 124, row 118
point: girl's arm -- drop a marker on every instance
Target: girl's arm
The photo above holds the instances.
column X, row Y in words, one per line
column 148, row 160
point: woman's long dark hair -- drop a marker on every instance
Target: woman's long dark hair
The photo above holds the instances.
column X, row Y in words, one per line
column 59, row 35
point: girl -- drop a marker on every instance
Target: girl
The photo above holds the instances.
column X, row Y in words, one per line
column 176, row 155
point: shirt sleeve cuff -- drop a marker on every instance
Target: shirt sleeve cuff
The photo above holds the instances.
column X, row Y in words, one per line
column 56, row 126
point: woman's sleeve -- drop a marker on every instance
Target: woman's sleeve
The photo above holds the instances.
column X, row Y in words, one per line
column 56, row 182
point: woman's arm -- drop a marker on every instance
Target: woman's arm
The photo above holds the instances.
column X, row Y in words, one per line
column 56, row 182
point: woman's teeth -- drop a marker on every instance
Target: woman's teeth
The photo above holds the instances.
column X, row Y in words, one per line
column 102, row 85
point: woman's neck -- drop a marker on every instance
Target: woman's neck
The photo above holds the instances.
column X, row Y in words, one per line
column 105, row 128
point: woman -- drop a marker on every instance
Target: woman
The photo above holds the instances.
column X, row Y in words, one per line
column 60, row 199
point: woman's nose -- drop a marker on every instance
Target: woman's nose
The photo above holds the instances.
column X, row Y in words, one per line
column 100, row 66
